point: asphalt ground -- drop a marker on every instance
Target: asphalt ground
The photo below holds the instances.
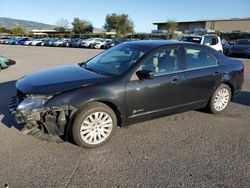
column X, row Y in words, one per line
column 191, row 149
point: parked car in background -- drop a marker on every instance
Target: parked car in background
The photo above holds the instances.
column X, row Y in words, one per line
column 88, row 43
column 62, row 42
column 66, row 43
column 36, row 42
column 226, row 46
column 41, row 42
column 152, row 39
column 21, row 41
column 241, row 47
column 5, row 62
column 232, row 42
column 213, row 41
column 101, row 45
column 3, row 39
column 28, row 42
column 115, row 42
column 13, row 40
column 131, row 82
column 8, row 40
column 50, row 41
column 75, row 42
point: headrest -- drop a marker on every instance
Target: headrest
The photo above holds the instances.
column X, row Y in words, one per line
column 155, row 61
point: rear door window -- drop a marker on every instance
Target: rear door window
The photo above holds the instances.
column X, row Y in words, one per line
column 199, row 58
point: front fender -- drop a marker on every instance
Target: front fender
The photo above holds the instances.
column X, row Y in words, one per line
column 77, row 98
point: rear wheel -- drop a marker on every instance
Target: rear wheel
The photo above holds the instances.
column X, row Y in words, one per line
column 220, row 99
column 94, row 125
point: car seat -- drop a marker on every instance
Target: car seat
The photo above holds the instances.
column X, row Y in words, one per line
column 152, row 65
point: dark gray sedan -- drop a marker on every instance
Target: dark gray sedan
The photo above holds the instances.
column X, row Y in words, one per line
column 241, row 47
column 127, row 83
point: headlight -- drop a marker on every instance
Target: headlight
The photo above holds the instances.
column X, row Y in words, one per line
column 34, row 102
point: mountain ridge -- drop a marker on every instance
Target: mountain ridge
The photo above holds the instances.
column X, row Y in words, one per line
column 10, row 23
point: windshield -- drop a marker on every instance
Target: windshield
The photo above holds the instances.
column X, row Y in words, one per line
column 116, row 60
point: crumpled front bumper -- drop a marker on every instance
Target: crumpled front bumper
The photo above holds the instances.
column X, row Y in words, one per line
column 19, row 116
column 53, row 118
column 15, row 113
column 29, row 128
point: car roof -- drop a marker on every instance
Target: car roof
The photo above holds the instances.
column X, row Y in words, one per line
column 196, row 35
column 156, row 43
column 245, row 39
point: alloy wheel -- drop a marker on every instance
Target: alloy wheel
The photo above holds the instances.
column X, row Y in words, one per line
column 221, row 99
column 96, row 128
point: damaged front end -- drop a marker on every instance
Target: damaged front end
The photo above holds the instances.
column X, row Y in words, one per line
column 32, row 111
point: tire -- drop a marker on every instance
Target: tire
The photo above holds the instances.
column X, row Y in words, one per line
column 220, row 99
column 90, row 136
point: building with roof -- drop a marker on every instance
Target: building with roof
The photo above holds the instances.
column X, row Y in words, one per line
column 216, row 25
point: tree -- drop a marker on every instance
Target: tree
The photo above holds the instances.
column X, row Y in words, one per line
column 170, row 26
column 62, row 25
column 4, row 30
column 82, row 26
column 18, row 30
column 120, row 23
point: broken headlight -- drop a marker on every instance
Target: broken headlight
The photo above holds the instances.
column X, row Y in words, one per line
column 33, row 102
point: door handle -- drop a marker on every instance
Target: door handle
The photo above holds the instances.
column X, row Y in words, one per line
column 216, row 73
column 175, row 80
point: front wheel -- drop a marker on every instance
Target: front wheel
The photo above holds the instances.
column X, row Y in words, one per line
column 94, row 125
column 220, row 99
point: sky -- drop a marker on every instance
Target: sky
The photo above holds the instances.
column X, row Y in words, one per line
column 142, row 12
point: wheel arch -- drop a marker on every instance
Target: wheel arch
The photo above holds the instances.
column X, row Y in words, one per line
column 226, row 83
column 110, row 104
column 230, row 86
column 114, row 107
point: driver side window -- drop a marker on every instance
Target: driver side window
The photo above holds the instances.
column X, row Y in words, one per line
column 162, row 62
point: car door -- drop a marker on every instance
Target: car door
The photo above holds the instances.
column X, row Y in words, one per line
column 202, row 75
column 160, row 94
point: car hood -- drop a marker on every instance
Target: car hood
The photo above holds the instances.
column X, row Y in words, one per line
column 59, row 79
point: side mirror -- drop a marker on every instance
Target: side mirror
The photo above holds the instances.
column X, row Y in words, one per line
column 82, row 63
column 145, row 74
